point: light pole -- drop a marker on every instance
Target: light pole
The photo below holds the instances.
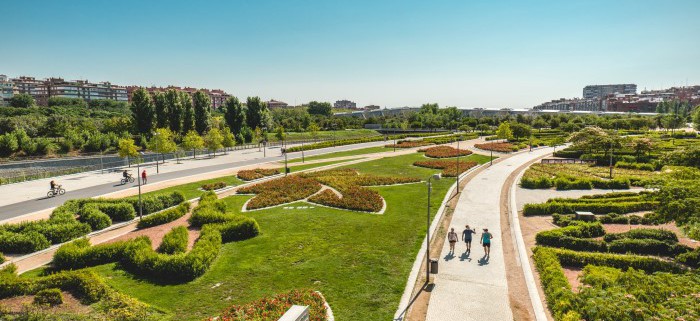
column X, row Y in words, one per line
column 157, row 153
column 491, row 164
column 286, row 169
column 530, row 143
column 427, row 229
column 393, row 130
column 302, row 151
column 458, row 156
column 138, row 174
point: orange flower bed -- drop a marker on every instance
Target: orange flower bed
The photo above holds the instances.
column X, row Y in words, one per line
column 444, row 152
column 408, row 144
column 497, row 147
column 252, row 174
column 279, row 191
column 273, row 307
column 449, row 167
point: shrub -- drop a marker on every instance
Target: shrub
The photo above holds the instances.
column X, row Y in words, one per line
column 644, row 233
column 690, row 258
column 50, row 297
column 620, row 261
column 408, row 144
column 576, row 236
column 164, row 216
column 637, row 166
column 79, row 254
column 562, row 183
column 616, row 183
column 562, row 207
column 280, row 191
column 27, row 242
column 61, row 232
column 257, row 173
column 541, row 182
column 450, row 168
column 118, row 212
column 273, row 307
column 95, row 218
column 2, row 258
column 240, row 228
column 444, row 152
column 556, row 287
column 497, row 147
column 644, row 246
column 213, row 186
column 174, row 241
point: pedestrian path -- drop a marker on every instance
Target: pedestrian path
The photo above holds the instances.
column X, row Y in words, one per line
column 470, row 286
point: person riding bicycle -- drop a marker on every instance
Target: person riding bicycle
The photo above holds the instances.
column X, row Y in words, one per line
column 126, row 174
column 53, row 185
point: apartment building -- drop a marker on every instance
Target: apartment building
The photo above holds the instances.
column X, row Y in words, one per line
column 7, row 90
column 574, row 104
column 218, row 97
column 83, row 89
column 276, row 104
column 346, row 104
column 602, row 91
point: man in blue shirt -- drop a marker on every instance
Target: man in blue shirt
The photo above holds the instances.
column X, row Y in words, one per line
column 467, row 237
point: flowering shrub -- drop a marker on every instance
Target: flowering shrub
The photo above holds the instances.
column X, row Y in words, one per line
column 497, row 147
column 214, row 186
column 355, row 196
column 280, row 191
column 252, row 174
column 444, row 152
column 273, row 307
column 408, row 144
column 450, row 168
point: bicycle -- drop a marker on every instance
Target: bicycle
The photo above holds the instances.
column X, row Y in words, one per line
column 128, row 179
column 56, row 191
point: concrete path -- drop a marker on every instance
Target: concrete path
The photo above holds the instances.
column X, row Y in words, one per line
column 471, row 286
column 28, row 197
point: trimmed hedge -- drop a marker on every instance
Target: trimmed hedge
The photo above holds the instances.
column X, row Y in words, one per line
column 644, row 233
column 555, row 285
column 95, row 218
column 164, row 216
column 620, row 261
column 28, row 242
column 79, row 254
column 49, row 297
column 596, row 208
column 647, row 247
column 577, row 236
column 691, row 258
column 213, row 186
column 637, row 166
column 118, row 212
column 174, row 241
column 241, row 228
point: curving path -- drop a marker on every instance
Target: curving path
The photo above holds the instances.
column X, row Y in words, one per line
column 471, row 286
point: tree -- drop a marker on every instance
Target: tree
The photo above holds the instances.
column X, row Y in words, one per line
column 162, row 141
column 313, row 129
column 188, row 112
column 22, row 101
column 696, row 117
column 67, row 102
column 257, row 114
column 142, row 111
column 229, row 140
column 520, row 130
column 641, row 146
column 202, row 106
column 234, row 114
column 161, row 110
column 320, row 108
column 504, row 131
column 8, row 144
column 279, row 134
column 539, row 123
column 192, row 141
column 213, row 140
column 482, row 128
column 175, row 110
column 127, row 148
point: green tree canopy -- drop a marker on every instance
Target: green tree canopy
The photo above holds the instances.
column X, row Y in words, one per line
column 257, row 114
column 162, row 141
column 202, row 107
column 320, row 108
column 127, row 148
column 504, row 131
column 520, row 130
column 188, row 112
column 22, row 101
column 213, row 140
column 161, row 110
column 279, row 134
column 192, row 141
column 67, row 102
column 234, row 114
column 229, row 139
column 142, row 111
column 175, row 110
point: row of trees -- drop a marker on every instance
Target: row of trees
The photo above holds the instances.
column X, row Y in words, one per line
column 163, row 140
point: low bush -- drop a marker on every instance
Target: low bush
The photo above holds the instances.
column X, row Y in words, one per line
column 556, row 287
column 60, row 232
column 273, row 307
column 637, row 166
column 576, row 236
column 279, row 191
column 563, row 183
column 240, row 228
column 444, row 152
column 541, row 182
column 214, row 186
column 174, row 241
column 257, row 173
column 207, row 215
column 450, row 168
column 164, row 216
column 498, row 147
column 594, row 207
column 616, row 183
column 95, row 218
column 690, row 258
column 118, row 212
column 49, row 297
column 620, row 261
column 644, row 233
column 646, row 247
column 27, row 242
column 79, row 254
column 408, row 144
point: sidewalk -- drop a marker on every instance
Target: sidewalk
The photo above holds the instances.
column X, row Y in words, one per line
column 471, row 287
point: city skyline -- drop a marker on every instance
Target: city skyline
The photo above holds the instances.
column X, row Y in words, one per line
column 456, row 54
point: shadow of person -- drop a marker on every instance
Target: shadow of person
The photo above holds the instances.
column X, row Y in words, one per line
column 484, row 260
column 449, row 256
column 465, row 257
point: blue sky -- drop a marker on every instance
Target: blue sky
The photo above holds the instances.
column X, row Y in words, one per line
column 489, row 54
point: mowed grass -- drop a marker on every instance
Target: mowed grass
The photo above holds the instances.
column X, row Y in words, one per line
column 359, row 261
column 361, row 151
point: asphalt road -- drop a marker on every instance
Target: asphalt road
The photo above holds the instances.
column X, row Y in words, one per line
column 31, row 206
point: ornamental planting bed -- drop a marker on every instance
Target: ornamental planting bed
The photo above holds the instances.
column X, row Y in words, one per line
column 273, row 307
column 279, row 191
column 408, row 144
column 450, row 168
column 580, row 176
column 498, row 147
column 257, row 173
column 444, row 152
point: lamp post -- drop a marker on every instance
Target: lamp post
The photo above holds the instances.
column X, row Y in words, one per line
column 427, row 230
column 394, row 133
column 286, row 169
column 458, row 156
column 302, row 151
column 491, row 164
column 138, row 174
column 265, row 142
column 157, row 153
column 530, row 143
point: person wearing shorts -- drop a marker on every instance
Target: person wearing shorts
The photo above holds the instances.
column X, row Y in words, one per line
column 486, row 241
column 467, row 237
column 452, row 238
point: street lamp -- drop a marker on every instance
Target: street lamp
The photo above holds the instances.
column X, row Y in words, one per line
column 286, row 169
column 138, row 176
column 491, row 164
column 427, row 230
column 265, row 142
column 458, row 156
column 157, row 153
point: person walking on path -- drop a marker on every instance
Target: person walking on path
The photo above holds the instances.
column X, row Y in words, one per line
column 486, row 241
column 453, row 238
column 467, row 237
column 143, row 176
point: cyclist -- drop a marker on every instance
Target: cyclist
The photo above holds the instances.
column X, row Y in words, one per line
column 53, row 185
column 126, row 174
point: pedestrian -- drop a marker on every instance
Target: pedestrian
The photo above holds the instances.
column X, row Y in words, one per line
column 453, row 238
column 486, row 241
column 467, row 237
column 143, row 176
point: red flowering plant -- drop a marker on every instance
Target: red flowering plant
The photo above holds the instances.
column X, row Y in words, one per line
column 497, row 147
column 279, row 191
column 257, row 173
column 271, row 308
column 444, row 152
column 408, row 144
column 450, row 168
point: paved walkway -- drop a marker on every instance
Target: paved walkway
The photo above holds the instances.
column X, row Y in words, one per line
column 470, row 286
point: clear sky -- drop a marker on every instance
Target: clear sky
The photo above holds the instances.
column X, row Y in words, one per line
column 461, row 53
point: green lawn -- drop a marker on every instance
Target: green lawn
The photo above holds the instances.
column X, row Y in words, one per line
column 361, row 151
column 359, row 261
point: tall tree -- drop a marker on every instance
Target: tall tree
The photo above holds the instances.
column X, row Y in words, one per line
column 192, row 141
column 504, row 131
column 175, row 111
column 257, row 114
column 234, row 114
column 229, row 140
column 162, row 141
column 161, row 110
column 188, row 110
column 22, row 100
column 127, row 148
column 202, row 106
column 213, row 140
column 142, row 111
column 320, row 108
